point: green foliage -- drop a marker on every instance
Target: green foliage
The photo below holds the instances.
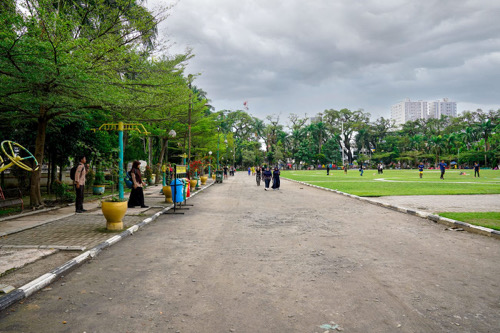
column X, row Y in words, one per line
column 116, row 199
column 148, row 173
column 90, row 178
column 99, row 178
column 63, row 192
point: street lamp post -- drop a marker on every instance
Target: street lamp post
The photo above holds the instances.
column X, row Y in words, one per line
column 210, row 164
column 218, row 143
column 342, row 135
column 172, row 134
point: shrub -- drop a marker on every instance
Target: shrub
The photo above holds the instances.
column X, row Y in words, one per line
column 63, row 192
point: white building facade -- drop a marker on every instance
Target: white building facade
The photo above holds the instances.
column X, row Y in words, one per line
column 413, row 110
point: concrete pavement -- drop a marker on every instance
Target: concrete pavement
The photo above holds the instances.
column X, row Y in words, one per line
column 28, row 237
column 294, row 260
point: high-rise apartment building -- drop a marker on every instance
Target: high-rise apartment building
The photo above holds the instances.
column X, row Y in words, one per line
column 441, row 108
column 413, row 110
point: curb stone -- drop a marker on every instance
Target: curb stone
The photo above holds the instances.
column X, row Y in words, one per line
column 46, row 279
column 435, row 218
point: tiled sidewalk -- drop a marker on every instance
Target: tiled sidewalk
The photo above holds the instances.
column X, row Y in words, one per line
column 62, row 229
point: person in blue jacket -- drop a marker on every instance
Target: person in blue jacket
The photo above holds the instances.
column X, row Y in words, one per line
column 442, row 166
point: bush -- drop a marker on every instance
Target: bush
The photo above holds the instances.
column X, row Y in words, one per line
column 99, row 178
column 63, row 192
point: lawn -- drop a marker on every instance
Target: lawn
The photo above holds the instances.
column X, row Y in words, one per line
column 401, row 182
column 484, row 219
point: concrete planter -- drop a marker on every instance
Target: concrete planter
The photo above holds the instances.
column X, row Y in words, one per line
column 114, row 213
column 167, row 192
column 98, row 189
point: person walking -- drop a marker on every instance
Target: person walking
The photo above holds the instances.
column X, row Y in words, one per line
column 258, row 174
column 276, row 179
column 476, row 169
column 345, row 168
column 267, row 174
column 79, row 183
column 225, row 171
column 442, row 166
column 249, row 171
column 328, row 169
column 361, row 169
column 137, row 194
column 421, row 169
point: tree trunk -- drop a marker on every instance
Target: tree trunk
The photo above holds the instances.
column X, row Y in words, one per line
column 61, row 171
column 150, row 152
column 35, row 195
column 54, row 170
column 49, row 173
column 162, row 151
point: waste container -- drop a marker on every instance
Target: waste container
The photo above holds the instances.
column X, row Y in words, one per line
column 177, row 190
column 219, row 175
column 187, row 191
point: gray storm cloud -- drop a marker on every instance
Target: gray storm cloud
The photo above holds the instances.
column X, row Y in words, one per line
column 306, row 56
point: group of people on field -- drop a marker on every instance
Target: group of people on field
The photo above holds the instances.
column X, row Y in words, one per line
column 266, row 174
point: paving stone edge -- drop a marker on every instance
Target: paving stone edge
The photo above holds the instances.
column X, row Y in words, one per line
column 46, row 279
column 435, row 218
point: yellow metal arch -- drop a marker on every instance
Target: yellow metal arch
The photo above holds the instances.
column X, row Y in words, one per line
column 123, row 127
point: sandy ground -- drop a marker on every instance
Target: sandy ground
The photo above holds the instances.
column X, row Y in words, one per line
column 246, row 260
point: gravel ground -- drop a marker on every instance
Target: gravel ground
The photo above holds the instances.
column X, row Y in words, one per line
column 295, row 260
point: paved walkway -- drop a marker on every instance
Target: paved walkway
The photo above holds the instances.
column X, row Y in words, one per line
column 28, row 237
column 295, row 260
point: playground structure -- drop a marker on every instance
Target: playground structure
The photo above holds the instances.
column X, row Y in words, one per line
column 14, row 152
column 120, row 127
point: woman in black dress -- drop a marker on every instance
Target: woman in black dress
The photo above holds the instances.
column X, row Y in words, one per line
column 136, row 195
column 276, row 179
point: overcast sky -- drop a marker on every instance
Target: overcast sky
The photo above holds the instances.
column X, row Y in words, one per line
column 291, row 56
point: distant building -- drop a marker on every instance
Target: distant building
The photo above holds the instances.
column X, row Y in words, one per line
column 413, row 110
column 441, row 108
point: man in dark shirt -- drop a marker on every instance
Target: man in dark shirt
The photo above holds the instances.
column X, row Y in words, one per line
column 476, row 169
column 442, row 166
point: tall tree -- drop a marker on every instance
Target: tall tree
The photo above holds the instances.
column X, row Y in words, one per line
column 343, row 124
column 65, row 60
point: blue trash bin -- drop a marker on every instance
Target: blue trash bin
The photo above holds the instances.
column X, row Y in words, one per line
column 177, row 190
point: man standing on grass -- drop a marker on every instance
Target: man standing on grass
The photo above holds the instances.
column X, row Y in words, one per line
column 442, row 166
column 421, row 169
column 476, row 169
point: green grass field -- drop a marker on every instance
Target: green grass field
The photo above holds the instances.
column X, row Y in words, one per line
column 401, row 182
column 484, row 219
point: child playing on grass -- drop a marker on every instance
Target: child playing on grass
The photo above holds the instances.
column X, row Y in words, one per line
column 421, row 169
